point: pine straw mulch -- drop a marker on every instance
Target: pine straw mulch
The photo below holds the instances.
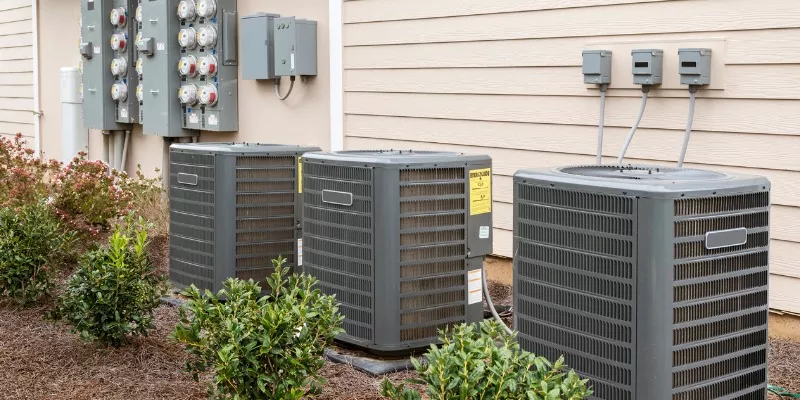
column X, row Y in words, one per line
column 41, row 360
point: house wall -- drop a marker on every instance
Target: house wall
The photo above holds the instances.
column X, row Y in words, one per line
column 301, row 119
column 504, row 78
column 16, row 69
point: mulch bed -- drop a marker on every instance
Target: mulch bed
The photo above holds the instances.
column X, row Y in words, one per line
column 41, row 360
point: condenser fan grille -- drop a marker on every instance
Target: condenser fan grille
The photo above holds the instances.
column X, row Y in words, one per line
column 576, row 282
column 720, row 343
column 338, row 241
column 432, row 242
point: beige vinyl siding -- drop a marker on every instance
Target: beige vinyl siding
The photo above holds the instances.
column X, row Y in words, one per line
column 504, row 78
column 16, row 68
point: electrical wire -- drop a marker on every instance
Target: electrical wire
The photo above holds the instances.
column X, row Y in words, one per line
column 645, row 91
column 278, row 88
column 692, row 98
column 602, row 123
column 782, row 393
column 491, row 305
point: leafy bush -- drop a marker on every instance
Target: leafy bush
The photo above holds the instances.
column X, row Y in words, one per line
column 260, row 348
column 32, row 243
column 147, row 199
column 86, row 189
column 24, row 177
column 470, row 365
column 114, row 291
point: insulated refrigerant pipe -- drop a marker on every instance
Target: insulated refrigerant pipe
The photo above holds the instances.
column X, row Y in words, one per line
column 491, row 304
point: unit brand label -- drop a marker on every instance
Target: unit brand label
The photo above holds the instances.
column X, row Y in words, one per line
column 475, row 286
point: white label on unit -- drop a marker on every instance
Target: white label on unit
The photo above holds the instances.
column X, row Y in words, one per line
column 96, row 49
column 161, row 46
column 291, row 60
column 475, row 286
column 123, row 113
column 299, row 252
column 212, row 119
column 483, row 233
column 193, row 119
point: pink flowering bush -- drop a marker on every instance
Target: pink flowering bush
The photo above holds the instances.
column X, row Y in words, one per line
column 24, row 177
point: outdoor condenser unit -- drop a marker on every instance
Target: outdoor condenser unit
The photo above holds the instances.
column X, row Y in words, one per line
column 651, row 281
column 399, row 237
column 234, row 207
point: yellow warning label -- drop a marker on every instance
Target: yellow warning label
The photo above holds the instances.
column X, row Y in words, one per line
column 480, row 191
column 299, row 174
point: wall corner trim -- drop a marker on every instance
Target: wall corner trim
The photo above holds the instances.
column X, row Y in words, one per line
column 336, row 74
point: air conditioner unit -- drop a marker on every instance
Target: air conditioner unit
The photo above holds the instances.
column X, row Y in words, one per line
column 399, row 237
column 234, row 207
column 651, row 281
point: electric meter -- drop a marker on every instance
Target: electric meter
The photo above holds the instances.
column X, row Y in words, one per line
column 206, row 8
column 188, row 94
column 188, row 66
column 187, row 37
column 186, row 9
column 208, row 66
column 119, row 41
column 119, row 66
column 140, row 92
column 139, row 67
column 208, row 95
column 139, row 13
column 207, row 36
column 118, row 17
column 119, row 91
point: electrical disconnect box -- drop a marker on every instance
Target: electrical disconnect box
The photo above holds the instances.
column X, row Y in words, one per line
column 597, row 67
column 208, row 64
column 105, row 34
column 694, row 66
column 161, row 52
column 647, row 66
column 295, row 47
column 137, row 67
column 258, row 46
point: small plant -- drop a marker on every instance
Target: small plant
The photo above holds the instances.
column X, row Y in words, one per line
column 470, row 365
column 268, row 347
column 24, row 177
column 114, row 291
column 32, row 243
column 147, row 199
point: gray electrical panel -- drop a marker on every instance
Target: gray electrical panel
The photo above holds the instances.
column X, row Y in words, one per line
column 234, row 207
column 258, row 46
column 647, row 66
column 399, row 237
column 652, row 282
column 98, row 35
column 138, row 65
column 160, row 55
column 695, row 66
column 295, row 47
column 208, row 64
column 597, row 67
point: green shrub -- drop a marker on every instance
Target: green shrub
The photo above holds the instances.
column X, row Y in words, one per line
column 268, row 347
column 114, row 291
column 33, row 243
column 471, row 365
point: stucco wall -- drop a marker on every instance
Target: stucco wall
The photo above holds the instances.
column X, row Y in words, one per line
column 301, row 119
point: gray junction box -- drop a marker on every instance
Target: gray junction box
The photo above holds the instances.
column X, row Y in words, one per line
column 399, row 237
column 233, row 209
column 647, row 66
column 651, row 281
column 597, row 67
column 695, row 66
column 295, row 47
column 258, row 46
